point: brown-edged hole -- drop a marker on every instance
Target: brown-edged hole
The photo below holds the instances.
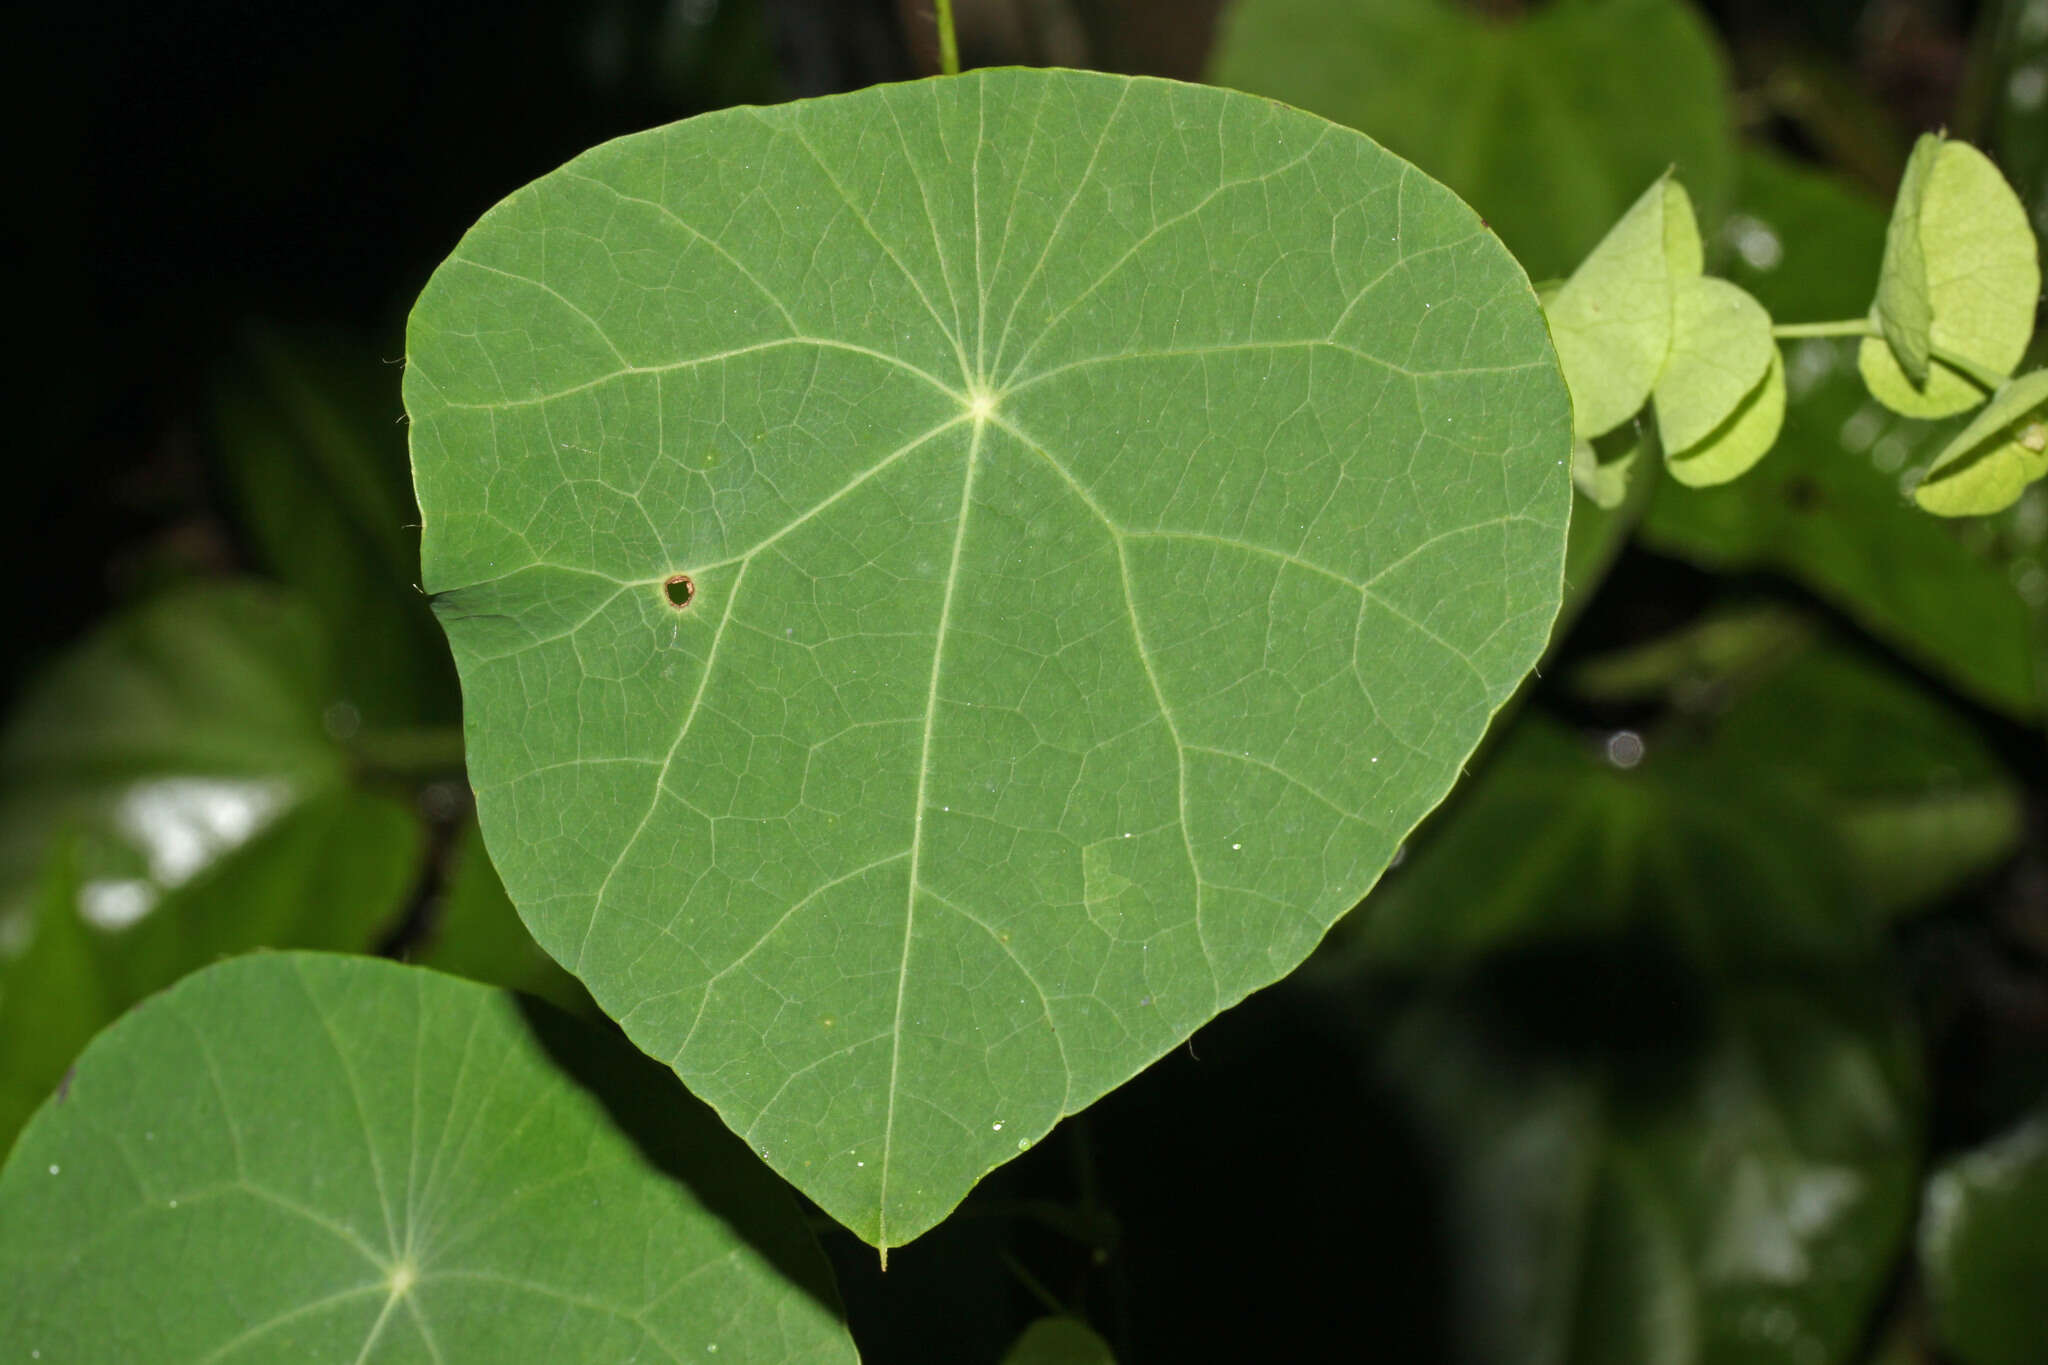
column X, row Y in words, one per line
column 680, row 591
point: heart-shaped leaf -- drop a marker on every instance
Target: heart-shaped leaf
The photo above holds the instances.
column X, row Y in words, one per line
column 958, row 583
column 1961, row 274
column 305, row 1157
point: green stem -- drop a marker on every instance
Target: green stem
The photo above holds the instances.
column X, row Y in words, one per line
column 1983, row 376
column 1847, row 327
column 949, row 49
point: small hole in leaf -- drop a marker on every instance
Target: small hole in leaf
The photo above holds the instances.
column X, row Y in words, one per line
column 680, row 591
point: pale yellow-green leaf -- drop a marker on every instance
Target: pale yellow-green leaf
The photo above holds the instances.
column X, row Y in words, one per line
column 1961, row 275
column 1611, row 322
column 1720, row 348
column 1903, row 308
column 1603, row 469
column 1991, row 461
column 1739, row 442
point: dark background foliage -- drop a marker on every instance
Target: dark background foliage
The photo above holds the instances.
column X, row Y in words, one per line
column 223, row 207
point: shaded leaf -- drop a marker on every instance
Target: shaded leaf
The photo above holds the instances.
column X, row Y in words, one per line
column 1961, row 274
column 1059, row 1341
column 308, row 434
column 305, row 1157
column 952, row 588
column 1545, row 122
column 1982, row 1250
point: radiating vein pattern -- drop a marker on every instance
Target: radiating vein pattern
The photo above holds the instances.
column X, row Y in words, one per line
column 306, row 1157
column 1114, row 509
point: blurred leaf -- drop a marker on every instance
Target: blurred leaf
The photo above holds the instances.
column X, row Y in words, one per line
column 1984, row 1252
column 311, row 444
column 53, row 998
column 331, row 873
column 1612, row 320
column 478, row 934
column 1917, row 800
column 172, row 734
column 1827, row 505
column 1557, row 839
column 1649, row 1033
column 1643, row 1167
column 1547, row 124
column 1961, row 274
column 1988, row 465
column 178, row 765
column 1059, row 1341
column 306, row 1157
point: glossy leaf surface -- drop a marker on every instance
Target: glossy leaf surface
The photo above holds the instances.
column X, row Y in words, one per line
column 1982, row 1251
column 955, row 584
column 303, row 1157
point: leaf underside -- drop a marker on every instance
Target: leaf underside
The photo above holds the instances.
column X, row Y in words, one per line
column 1107, row 512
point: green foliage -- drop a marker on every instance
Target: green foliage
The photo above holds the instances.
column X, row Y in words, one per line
column 1072, row 631
column 1826, row 506
column 1059, row 1341
column 1981, row 1243
column 302, row 1157
column 1546, row 123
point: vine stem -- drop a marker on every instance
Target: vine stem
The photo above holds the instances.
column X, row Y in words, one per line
column 1983, row 376
column 949, row 47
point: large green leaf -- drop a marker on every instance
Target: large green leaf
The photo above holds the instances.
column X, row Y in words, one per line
column 1828, row 505
column 1549, row 124
column 303, row 1157
column 955, row 584
column 1983, row 1252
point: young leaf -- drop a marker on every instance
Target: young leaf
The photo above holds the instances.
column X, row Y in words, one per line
column 1612, row 320
column 1990, row 462
column 1602, row 469
column 1745, row 436
column 1961, row 274
column 957, row 583
column 304, row 1157
column 1721, row 352
column 1826, row 507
